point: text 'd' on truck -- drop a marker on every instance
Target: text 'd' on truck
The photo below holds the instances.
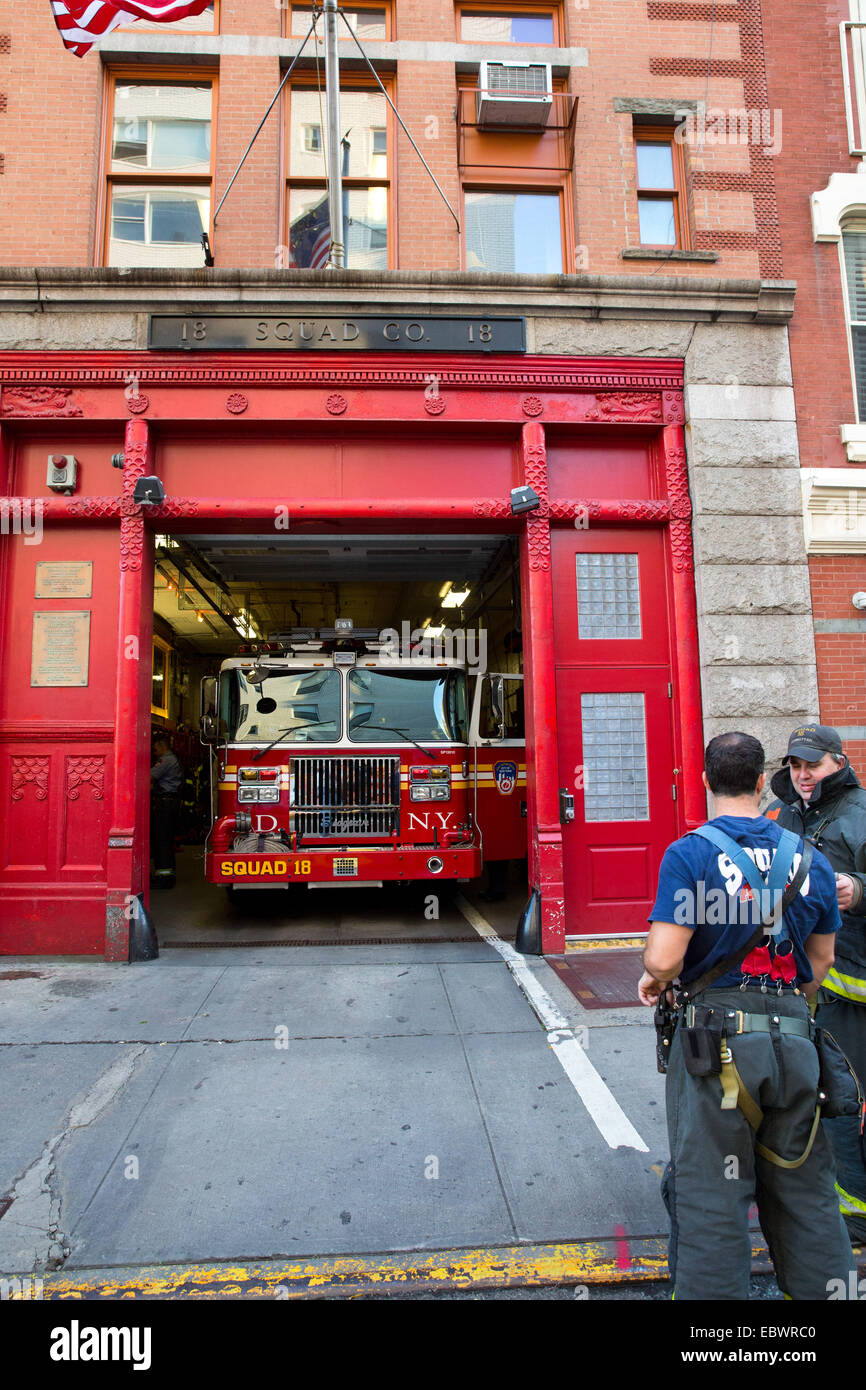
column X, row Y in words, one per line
column 337, row 759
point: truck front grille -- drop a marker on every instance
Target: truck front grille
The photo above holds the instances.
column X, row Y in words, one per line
column 345, row 798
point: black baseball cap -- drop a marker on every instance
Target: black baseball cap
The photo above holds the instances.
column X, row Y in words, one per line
column 811, row 741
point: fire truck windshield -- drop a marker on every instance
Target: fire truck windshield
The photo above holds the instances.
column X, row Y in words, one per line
column 429, row 706
column 287, row 707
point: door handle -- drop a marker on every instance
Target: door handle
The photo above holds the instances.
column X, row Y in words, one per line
column 566, row 806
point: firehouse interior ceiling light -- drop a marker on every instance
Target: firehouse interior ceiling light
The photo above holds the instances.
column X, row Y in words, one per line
column 456, row 598
column 524, row 499
column 149, row 492
column 446, row 588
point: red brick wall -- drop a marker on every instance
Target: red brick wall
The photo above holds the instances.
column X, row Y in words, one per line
column 247, row 231
column 841, row 656
column 814, row 146
column 50, row 138
column 636, row 48
column 426, row 96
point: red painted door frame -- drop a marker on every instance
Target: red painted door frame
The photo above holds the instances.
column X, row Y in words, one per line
column 522, row 396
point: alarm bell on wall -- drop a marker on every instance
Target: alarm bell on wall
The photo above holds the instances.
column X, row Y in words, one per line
column 62, row 473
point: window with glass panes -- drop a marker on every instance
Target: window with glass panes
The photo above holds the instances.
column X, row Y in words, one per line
column 512, row 229
column 660, row 181
column 365, row 156
column 854, row 258
column 158, row 199
column 205, row 23
column 480, row 24
column 367, row 21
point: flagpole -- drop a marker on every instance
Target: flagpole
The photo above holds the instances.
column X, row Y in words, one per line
column 336, row 260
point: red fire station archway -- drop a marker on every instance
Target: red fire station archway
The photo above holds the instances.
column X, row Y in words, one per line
column 239, row 440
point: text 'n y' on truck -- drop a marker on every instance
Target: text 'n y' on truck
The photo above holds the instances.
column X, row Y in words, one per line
column 337, row 758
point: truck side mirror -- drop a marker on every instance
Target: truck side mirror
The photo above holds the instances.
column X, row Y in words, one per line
column 208, row 710
column 497, row 705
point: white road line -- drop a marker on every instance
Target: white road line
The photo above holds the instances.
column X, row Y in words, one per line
column 605, row 1112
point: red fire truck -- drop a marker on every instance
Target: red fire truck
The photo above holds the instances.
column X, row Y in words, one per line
column 336, row 758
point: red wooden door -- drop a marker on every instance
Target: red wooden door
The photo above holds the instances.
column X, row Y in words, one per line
column 615, row 725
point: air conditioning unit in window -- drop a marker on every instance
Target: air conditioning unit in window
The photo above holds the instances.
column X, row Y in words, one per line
column 515, row 95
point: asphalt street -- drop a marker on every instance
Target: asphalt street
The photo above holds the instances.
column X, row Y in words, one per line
column 252, row 1104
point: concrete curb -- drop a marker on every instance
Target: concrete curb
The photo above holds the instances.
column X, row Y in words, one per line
column 611, row 1261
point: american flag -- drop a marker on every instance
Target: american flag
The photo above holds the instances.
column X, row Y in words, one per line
column 81, row 25
column 310, row 236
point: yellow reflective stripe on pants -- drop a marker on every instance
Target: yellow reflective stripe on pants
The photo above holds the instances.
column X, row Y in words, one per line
column 848, row 1205
column 848, row 986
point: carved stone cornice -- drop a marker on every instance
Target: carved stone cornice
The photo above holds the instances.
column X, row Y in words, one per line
column 146, row 290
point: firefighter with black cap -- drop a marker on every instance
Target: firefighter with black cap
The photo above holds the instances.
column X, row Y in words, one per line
column 819, row 796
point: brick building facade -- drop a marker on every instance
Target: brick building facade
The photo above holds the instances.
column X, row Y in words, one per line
column 820, row 193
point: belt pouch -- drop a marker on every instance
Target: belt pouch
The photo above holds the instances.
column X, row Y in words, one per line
column 702, row 1042
column 838, row 1081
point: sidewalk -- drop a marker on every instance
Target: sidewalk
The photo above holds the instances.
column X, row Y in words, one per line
column 254, row 1105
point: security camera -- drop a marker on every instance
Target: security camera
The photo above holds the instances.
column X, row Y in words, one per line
column 859, row 599
column 148, row 492
column 524, row 499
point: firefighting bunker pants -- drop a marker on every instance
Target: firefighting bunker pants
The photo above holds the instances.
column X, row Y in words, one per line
column 846, row 1020
column 715, row 1174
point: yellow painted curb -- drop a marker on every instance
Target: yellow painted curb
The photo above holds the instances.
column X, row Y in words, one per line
column 590, row 1262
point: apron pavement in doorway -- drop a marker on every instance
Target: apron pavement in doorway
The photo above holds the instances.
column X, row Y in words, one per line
column 601, row 980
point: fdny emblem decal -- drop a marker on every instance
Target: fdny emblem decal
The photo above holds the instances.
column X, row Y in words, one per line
column 506, row 777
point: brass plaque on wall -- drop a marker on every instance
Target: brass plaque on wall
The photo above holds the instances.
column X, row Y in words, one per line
column 61, row 649
column 64, row 579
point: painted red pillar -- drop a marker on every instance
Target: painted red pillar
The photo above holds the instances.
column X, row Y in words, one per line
column 685, row 616
column 128, row 857
column 542, row 769
column 5, row 463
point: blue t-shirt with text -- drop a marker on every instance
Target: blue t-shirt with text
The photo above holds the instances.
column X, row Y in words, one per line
column 700, row 887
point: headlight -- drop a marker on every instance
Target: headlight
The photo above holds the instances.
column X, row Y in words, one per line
column 440, row 793
column 258, row 793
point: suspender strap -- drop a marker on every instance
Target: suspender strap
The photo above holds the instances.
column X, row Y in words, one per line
column 790, row 893
column 779, row 869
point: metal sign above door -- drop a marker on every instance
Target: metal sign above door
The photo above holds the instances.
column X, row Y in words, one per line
column 359, row 333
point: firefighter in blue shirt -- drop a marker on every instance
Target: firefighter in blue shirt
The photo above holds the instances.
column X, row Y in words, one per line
column 742, row 1117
